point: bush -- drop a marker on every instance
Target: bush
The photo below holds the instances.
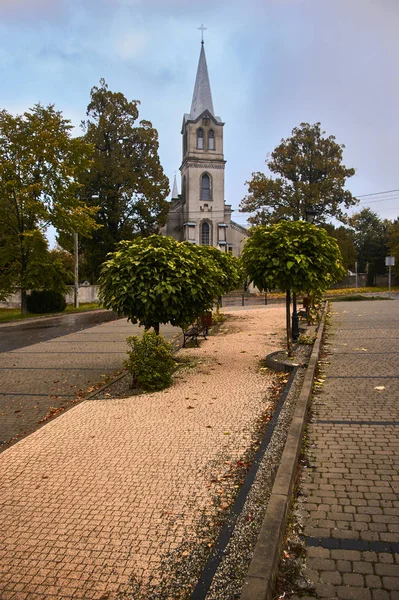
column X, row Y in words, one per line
column 46, row 301
column 150, row 361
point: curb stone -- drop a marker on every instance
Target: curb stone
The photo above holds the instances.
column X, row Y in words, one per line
column 260, row 580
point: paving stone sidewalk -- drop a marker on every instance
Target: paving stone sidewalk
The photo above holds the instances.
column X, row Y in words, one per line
column 352, row 483
column 98, row 499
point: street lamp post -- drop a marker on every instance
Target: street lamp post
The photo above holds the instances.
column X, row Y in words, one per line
column 76, row 269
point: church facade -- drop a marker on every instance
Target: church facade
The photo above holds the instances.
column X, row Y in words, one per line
column 199, row 213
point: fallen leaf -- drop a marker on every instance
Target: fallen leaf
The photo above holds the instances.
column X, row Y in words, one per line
column 380, row 387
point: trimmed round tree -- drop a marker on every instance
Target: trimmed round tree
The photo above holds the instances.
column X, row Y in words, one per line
column 292, row 256
column 158, row 280
column 230, row 272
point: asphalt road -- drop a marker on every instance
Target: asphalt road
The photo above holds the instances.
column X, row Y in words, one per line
column 19, row 334
column 49, row 365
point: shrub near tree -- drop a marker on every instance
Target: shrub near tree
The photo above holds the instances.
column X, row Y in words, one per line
column 292, row 256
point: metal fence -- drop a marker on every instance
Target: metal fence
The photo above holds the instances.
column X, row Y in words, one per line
column 248, row 300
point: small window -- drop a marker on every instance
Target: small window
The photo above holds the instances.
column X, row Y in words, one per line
column 185, row 142
column 211, row 140
column 200, row 138
column 205, row 234
column 205, row 187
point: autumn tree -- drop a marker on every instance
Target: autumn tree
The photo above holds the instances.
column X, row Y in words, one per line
column 306, row 171
column 292, row 257
column 126, row 181
column 371, row 242
column 40, row 168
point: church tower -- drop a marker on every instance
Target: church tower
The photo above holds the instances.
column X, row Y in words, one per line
column 202, row 169
column 199, row 213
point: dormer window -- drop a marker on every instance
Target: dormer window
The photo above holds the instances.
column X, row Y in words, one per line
column 211, row 140
column 205, row 187
column 200, row 138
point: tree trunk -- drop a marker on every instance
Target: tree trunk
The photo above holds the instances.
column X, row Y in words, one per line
column 156, row 328
column 288, row 322
column 24, row 303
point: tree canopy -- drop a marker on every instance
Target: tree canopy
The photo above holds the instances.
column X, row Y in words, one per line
column 292, row 256
column 126, row 181
column 295, row 256
column 306, row 172
column 159, row 280
column 370, row 234
column 40, row 168
column 393, row 243
column 345, row 237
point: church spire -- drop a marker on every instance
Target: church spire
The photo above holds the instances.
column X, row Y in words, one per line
column 175, row 192
column 202, row 96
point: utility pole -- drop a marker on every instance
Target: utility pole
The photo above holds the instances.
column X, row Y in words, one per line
column 76, row 270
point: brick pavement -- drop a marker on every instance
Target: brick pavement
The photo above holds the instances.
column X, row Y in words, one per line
column 351, row 486
column 48, row 375
column 107, row 491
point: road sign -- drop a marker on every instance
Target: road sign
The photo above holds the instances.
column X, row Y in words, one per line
column 389, row 261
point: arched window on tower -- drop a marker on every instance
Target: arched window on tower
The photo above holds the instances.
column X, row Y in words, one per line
column 211, row 140
column 205, row 234
column 205, row 187
column 185, row 142
column 200, row 138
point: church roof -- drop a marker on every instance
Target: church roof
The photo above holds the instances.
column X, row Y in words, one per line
column 202, row 96
column 175, row 191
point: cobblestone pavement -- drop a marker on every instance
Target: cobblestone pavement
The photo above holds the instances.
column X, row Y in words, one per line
column 44, row 378
column 103, row 494
column 351, row 486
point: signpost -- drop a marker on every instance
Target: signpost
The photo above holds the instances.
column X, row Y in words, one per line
column 389, row 262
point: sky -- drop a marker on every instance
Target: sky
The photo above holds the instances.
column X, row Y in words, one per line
column 272, row 65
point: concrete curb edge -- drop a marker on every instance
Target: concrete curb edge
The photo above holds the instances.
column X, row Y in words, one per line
column 260, row 580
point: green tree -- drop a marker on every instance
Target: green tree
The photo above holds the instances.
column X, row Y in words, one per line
column 159, row 280
column 230, row 273
column 307, row 172
column 126, row 176
column 371, row 242
column 40, row 168
column 346, row 241
column 393, row 243
column 292, row 256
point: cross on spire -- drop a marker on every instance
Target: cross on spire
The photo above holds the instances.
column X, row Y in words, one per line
column 202, row 29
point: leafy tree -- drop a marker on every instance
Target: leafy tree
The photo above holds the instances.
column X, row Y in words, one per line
column 159, row 280
column 40, row 165
column 371, row 242
column 230, row 272
column 393, row 243
column 292, row 256
column 346, row 241
column 307, row 172
column 126, row 175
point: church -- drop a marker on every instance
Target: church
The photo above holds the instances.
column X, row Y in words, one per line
column 199, row 213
